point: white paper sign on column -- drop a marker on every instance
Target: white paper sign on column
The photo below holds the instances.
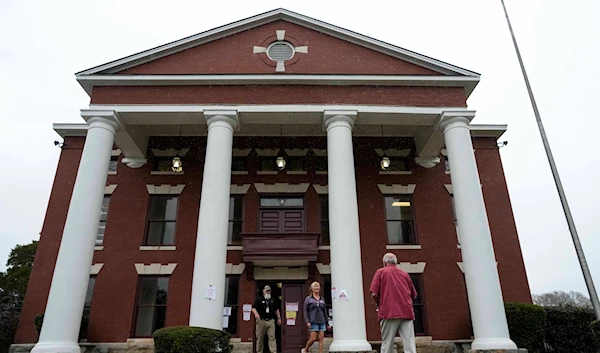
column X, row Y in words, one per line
column 247, row 307
column 333, row 293
column 246, row 316
column 210, row 293
column 225, row 321
column 343, row 295
column 227, row 311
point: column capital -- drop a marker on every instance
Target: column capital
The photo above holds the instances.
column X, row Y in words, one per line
column 456, row 119
column 102, row 118
column 333, row 118
column 229, row 117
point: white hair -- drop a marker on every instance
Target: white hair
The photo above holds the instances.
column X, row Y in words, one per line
column 390, row 258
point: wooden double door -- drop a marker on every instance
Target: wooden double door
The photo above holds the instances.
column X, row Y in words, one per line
column 281, row 215
column 290, row 338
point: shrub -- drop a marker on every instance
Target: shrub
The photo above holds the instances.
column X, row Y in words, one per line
column 527, row 325
column 569, row 330
column 596, row 328
column 187, row 339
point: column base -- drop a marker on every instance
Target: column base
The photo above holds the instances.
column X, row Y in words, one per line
column 493, row 345
column 56, row 347
column 350, row 346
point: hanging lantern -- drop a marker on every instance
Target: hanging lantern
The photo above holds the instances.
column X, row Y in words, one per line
column 177, row 164
column 280, row 163
column 385, row 163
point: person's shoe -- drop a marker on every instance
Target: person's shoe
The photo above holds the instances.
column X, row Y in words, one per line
column 303, row 350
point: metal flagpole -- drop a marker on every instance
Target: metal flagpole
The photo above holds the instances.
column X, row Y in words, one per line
column 561, row 193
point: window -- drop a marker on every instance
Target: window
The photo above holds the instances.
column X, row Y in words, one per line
column 112, row 165
column 235, row 220
column 163, row 165
column 88, row 296
column 321, row 164
column 455, row 221
column 161, row 220
column 295, row 164
column 231, row 300
column 151, row 305
column 281, row 202
column 400, row 219
column 324, row 199
column 419, row 323
column 102, row 223
column 268, row 164
column 238, row 164
column 398, row 165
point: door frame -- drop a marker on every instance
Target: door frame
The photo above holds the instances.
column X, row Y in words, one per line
column 261, row 208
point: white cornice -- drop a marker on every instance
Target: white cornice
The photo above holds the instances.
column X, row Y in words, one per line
column 271, row 16
column 468, row 82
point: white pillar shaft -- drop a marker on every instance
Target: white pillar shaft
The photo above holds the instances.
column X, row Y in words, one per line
column 481, row 274
column 346, row 264
column 213, row 223
column 62, row 318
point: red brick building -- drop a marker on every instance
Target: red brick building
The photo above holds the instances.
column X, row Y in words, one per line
column 307, row 151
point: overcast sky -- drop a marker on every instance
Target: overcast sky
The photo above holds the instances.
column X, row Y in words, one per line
column 43, row 43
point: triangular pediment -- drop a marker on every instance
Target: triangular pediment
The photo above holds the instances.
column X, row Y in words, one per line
column 243, row 47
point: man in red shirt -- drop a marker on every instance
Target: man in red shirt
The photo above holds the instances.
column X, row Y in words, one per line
column 393, row 293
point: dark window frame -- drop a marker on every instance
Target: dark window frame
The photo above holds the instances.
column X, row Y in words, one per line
column 420, row 306
column 324, row 219
column 87, row 306
column 103, row 222
column 234, row 307
column 415, row 237
column 394, row 163
column 233, row 220
column 293, row 159
column 272, row 160
column 322, row 167
column 113, row 164
column 158, row 160
column 137, row 304
column 244, row 163
column 149, row 220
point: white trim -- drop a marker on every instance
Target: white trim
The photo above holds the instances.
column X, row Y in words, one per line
column 268, row 17
column 321, row 172
column 296, row 172
column 403, row 247
column 296, row 152
column 241, row 153
column 324, row 269
column 393, row 152
column 447, row 172
column 281, row 188
column 155, row 269
column 321, row 189
column 95, row 269
column 158, row 248
column 324, row 247
column 449, row 188
column 235, row 247
column 397, row 189
column 267, row 172
column 170, row 152
column 267, row 152
column 239, row 172
column 407, row 172
column 110, row 189
column 115, row 153
column 231, row 269
column 280, row 273
column 112, row 172
column 165, row 189
column 320, row 152
column 156, row 172
column 98, row 248
column 239, row 189
column 408, row 267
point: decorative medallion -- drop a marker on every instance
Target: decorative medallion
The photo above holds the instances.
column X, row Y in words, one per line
column 280, row 50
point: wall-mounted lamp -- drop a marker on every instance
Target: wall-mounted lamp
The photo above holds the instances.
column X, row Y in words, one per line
column 280, row 161
column 385, row 163
column 177, row 164
column 502, row 144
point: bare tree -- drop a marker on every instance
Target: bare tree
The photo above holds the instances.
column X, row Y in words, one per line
column 560, row 298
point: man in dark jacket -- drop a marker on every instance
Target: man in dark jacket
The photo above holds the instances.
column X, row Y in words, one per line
column 266, row 310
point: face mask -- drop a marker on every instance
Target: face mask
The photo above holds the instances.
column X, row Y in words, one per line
column 268, row 296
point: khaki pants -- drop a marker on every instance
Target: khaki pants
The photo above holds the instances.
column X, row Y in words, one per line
column 268, row 327
column 407, row 334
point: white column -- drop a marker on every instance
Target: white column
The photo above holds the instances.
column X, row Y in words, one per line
column 481, row 275
column 213, row 222
column 64, row 309
column 349, row 334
